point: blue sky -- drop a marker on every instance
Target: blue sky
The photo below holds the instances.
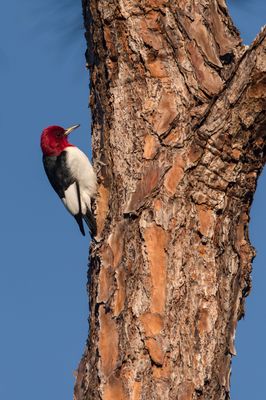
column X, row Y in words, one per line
column 43, row 258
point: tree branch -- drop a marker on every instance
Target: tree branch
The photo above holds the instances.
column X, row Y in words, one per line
column 240, row 106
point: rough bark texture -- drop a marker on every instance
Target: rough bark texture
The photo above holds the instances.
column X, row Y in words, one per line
column 178, row 107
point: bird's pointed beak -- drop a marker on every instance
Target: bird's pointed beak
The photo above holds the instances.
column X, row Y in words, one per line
column 70, row 129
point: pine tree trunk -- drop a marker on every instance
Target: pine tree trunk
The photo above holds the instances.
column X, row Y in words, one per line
column 178, row 107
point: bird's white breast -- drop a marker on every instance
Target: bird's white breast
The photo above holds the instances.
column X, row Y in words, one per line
column 81, row 169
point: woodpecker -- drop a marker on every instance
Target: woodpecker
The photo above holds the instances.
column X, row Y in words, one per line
column 70, row 174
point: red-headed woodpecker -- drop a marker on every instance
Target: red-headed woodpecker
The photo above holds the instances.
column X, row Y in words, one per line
column 70, row 174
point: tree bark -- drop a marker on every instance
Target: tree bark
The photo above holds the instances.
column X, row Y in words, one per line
column 178, row 109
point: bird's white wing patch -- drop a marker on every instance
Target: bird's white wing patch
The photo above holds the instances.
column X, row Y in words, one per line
column 71, row 200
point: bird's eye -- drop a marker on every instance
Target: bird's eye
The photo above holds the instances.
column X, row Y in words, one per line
column 58, row 134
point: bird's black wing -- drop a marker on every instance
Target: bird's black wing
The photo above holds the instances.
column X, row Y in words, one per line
column 58, row 173
column 60, row 177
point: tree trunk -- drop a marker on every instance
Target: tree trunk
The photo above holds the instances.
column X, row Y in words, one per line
column 178, row 108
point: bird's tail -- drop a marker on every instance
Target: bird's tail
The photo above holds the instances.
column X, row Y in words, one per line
column 78, row 218
column 91, row 222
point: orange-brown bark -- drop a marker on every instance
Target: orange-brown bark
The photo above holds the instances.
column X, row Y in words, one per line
column 178, row 110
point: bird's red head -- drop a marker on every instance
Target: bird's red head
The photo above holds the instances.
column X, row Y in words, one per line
column 54, row 139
